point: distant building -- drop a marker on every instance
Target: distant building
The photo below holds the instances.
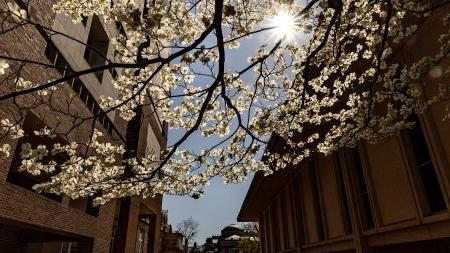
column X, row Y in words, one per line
column 171, row 242
column 229, row 239
column 211, row 244
column 227, row 242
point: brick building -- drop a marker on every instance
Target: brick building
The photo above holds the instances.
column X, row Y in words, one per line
column 34, row 223
column 388, row 197
column 171, row 242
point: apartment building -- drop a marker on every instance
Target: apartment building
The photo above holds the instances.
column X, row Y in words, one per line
column 46, row 223
column 392, row 196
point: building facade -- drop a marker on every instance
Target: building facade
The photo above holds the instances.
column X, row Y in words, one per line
column 392, row 196
column 45, row 223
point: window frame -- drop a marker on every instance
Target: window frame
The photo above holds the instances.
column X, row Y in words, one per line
column 31, row 122
column 361, row 156
column 91, row 49
column 420, row 195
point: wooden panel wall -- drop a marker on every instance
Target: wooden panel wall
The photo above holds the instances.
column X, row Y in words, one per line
column 330, row 196
column 390, row 186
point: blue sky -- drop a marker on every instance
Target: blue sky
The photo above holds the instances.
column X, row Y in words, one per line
column 220, row 204
column 218, row 207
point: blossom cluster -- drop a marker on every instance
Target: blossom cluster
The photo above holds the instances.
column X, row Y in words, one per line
column 344, row 85
column 13, row 13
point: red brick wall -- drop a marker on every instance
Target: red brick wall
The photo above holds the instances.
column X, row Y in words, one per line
column 19, row 205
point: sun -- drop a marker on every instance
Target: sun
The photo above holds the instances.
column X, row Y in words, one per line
column 285, row 24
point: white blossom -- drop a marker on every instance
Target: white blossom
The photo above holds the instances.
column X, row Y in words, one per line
column 3, row 67
column 5, row 151
column 331, row 90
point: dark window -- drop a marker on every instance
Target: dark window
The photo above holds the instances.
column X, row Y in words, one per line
column 84, row 20
column 23, row 178
column 284, row 218
column 363, row 191
column 84, row 95
column 165, row 128
column 316, row 198
column 61, row 64
column 69, row 71
column 56, row 59
column 120, row 29
column 51, row 52
column 85, row 205
column 343, row 195
column 275, row 227
column 97, row 46
column 113, row 73
column 106, row 123
column 110, row 128
column 262, row 231
column 90, row 208
column 77, row 85
column 96, row 109
column 102, row 119
column 90, row 104
column 426, row 169
column 297, row 208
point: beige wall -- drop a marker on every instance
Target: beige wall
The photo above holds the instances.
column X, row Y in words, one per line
column 403, row 221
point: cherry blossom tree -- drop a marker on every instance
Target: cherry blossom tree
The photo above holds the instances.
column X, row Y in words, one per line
column 343, row 85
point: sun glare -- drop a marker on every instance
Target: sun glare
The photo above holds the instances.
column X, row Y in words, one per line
column 285, row 24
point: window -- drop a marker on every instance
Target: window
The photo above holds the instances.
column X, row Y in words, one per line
column 96, row 46
column 51, row 52
column 316, row 197
column 61, row 64
column 120, row 29
column 57, row 60
column 90, row 208
column 298, row 211
column 78, row 87
column 270, row 231
column 84, row 20
column 275, row 227
column 426, row 171
column 85, row 205
column 282, row 220
column 343, row 196
column 262, row 234
column 143, row 235
column 140, row 241
column 363, row 191
column 23, row 178
column 288, row 219
column 66, row 247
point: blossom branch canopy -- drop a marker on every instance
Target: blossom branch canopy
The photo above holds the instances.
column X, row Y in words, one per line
column 343, row 85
